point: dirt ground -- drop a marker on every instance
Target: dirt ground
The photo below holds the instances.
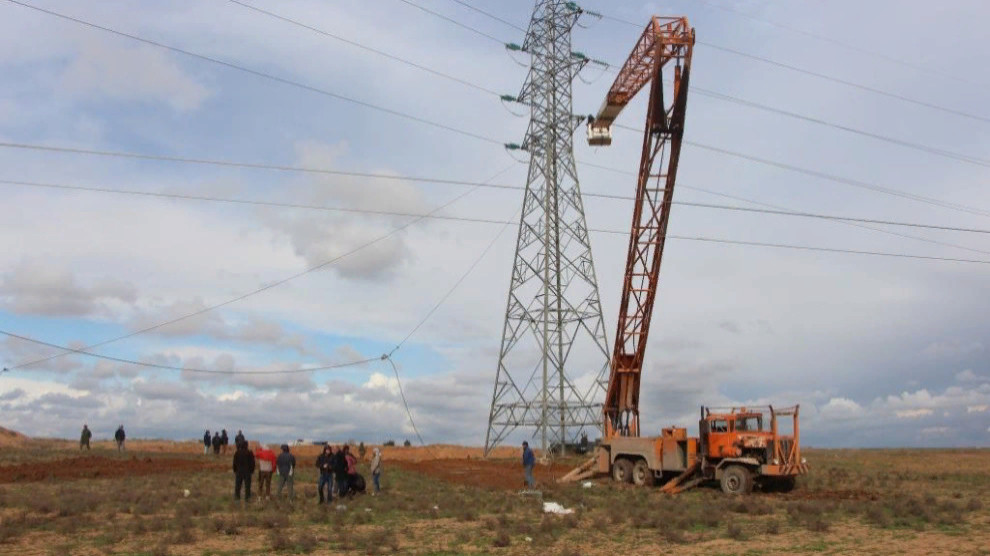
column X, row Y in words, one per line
column 493, row 474
column 91, row 467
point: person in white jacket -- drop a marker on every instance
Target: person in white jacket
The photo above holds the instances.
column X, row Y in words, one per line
column 376, row 470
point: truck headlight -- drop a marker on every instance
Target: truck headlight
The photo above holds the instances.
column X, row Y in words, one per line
column 776, row 462
column 803, row 461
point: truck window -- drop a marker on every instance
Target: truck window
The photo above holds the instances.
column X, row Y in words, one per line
column 720, row 425
column 749, row 424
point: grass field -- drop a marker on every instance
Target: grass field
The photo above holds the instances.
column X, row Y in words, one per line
column 854, row 501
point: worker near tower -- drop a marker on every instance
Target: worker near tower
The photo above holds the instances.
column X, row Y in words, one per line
column 84, row 437
column 528, row 461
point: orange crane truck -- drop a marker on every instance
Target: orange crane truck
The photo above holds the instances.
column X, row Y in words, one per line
column 739, row 447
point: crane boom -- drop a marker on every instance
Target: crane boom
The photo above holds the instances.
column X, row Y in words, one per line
column 665, row 40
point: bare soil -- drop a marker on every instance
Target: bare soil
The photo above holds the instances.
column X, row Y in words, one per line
column 88, row 467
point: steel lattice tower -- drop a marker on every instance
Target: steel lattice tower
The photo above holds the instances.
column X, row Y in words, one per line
column 554, row 359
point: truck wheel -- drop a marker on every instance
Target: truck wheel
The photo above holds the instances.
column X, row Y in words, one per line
column 736, row 480
column 622, row 471
column 642, row 475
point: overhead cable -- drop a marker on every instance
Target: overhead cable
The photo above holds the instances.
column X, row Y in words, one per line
column 265, row 75
column 270, row 285
column 370, row 211
column 68, row 350
column 367, row 48
column 934, row 69
column 454, row 21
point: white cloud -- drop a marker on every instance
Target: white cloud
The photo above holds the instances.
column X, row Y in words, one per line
column 36, row 287
column 378, row 381
column 139, row 73
column 952, row 349
column 978, row 408
column 969, row 376
column 913, row 413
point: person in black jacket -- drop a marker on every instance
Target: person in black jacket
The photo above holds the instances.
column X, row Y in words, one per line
column 239, row 438
column 120, row 436
column 243, row 469
column 340, row 471
column 224, row 441
column 216, row 444
column 207, row 442
column 324, row 462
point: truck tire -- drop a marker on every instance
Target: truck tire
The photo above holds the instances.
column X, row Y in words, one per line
column 642, row 475
column 622, row 471
column 736, row 480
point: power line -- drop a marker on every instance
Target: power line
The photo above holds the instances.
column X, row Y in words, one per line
column 835, row 41
column 270, row 285
column 839, row 179
column 820, row 75
column 265, row 75
column 432, row 215
column 67, row 350
column 454, row 21
column 490, row 15
column 885, row 138
column 278, row 204
column 225, row 163
column 778, row 207
column 367, row 48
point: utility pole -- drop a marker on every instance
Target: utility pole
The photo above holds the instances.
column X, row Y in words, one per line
column 554, row 359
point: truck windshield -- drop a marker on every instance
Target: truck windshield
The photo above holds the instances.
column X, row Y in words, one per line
column 749, row 424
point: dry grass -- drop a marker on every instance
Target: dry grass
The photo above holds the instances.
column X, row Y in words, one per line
column 852, row 499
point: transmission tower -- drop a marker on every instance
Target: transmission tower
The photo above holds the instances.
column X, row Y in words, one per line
column 554, row 359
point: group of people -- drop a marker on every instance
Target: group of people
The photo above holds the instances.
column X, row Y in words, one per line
column 337, row 471
column 219, row 441
column 86, row 435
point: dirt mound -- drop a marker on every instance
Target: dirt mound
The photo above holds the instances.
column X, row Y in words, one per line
column 493, row 474
column 9, row 438
column 89, row 467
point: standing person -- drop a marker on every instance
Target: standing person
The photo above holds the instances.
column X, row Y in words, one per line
column 376, row 470
column 528, row 461
column 243, row 470
column 324, row 462
column 266, row 466
column 216, row 443
column 84, row 437
column 206, row 442
column 285, row 466
column 224, row 441
column 120, row 436
column 340, row 471
column 239, row 438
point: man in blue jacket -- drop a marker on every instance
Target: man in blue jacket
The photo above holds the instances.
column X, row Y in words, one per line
column 528, row 461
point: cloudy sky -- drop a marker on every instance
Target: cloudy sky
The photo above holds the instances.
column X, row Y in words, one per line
column 878, row 351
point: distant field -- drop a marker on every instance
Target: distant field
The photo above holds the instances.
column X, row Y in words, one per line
column 437, row 501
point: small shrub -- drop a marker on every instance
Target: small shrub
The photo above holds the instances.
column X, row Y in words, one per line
column 501, row 539
column 278, row 541
column 406, row 443
column 675, row 536
column 818, row 525
column 974, row 505
column 735, row 531
column 773, row 527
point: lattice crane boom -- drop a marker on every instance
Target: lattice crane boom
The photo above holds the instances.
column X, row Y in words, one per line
column 665, row 45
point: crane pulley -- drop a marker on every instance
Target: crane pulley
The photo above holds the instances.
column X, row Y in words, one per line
column 664, row 47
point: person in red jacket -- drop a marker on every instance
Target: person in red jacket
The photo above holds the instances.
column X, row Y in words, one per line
column 266, row 466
